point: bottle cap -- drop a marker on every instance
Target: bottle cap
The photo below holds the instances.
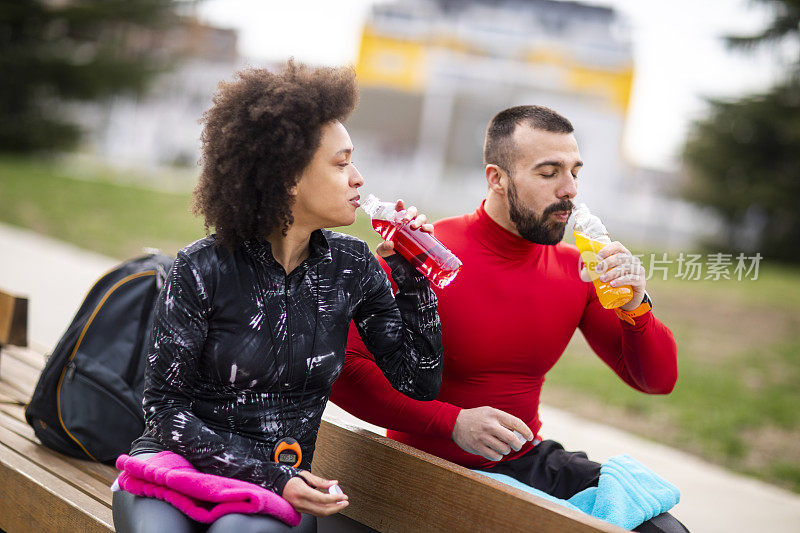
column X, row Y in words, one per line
column 377, row 209
column 587, row 223
column 370, row 205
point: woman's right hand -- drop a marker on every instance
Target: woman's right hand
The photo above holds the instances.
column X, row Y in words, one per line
column 306, row 499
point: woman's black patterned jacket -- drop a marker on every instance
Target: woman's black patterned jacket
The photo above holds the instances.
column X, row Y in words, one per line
column 243, row 355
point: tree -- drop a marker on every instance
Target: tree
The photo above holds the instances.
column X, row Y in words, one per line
column 744, row 162
column 743, row 159
column 55, row 51
column 784, row 25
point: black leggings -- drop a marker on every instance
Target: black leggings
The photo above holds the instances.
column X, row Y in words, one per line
column 137, row 514
column 548, row 468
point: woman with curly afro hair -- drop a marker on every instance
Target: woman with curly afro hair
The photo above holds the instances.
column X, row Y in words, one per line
column 250, row 328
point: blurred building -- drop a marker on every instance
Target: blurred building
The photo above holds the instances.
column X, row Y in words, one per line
column 161, row 128
column 434, row 72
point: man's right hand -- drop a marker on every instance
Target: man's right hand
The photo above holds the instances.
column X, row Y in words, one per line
column 306, row 499
column 488, row 432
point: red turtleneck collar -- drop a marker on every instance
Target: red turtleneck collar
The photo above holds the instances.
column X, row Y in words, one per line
column 498, row 239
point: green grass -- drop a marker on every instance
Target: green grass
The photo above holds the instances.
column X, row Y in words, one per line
column 737, row 401
column 109, row 217
column 113, row 219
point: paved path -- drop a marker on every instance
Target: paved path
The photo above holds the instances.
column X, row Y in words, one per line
column 56, row 276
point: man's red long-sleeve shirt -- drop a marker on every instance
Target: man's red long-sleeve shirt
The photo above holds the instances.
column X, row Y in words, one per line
column 506, row 320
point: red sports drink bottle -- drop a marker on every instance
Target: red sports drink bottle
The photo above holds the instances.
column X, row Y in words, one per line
column 421, row 249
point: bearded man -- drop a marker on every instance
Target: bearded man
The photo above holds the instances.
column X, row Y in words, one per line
column 509, row 315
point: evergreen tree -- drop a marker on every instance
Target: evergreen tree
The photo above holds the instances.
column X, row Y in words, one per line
column 54, row 51
column 743, row 159
column 785, row 25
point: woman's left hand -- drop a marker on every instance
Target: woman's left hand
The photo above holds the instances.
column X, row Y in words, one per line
column 386, row 248
column 307, row 499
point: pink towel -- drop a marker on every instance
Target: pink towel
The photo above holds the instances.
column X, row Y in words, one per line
column 202, row 497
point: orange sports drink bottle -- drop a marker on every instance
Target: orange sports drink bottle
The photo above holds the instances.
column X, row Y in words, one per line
column 590, row 237
column 421, row 249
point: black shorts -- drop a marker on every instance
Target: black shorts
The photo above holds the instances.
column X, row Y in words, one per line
column 549, row 468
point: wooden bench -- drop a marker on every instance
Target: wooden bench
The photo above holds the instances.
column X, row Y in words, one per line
column 392, row 487
column 40, row 489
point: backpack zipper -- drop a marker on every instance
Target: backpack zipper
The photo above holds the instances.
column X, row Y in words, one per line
column 70, row 371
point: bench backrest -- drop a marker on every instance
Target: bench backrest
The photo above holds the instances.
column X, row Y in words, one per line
column 394, row 487
column 13, row 319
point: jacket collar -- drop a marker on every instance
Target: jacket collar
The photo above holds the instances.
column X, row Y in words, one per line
column 320, row 251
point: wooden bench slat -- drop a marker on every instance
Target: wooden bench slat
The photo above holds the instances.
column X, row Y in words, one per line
column 57, row 465
column 30, row 357
column 107, row 474
column 13, row 394
column 18, row 374
column 10, row 398
column 32, row 499
column 9, row 418
column 102, row 472
column 13, row 409
column 394, row 487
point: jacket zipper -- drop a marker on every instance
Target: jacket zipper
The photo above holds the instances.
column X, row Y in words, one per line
column 290, row 357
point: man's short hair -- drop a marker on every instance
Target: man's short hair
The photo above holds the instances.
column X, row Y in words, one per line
column 499, row 146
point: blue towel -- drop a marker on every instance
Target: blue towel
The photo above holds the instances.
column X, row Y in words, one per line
column 508, row 480
column 627, row 494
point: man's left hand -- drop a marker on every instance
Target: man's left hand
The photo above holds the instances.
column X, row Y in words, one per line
column 618, row 266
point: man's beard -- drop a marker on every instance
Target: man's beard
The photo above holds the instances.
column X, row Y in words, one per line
column 540, row 230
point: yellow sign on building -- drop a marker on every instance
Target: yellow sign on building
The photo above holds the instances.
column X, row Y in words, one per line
column 402, row 63
column 615, row 85
column 390, row 62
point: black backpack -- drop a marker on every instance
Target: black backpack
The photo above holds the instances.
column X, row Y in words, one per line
column 88, row 401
